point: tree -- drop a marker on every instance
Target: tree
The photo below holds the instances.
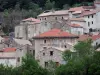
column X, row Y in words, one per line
column 81, row 62
column 49, row 5
column 31, row 67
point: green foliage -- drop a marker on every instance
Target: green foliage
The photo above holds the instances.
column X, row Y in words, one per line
column 49, row 5
column 29, row 67
column 85, row 62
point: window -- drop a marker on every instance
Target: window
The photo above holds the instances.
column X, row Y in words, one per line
column 43, row 54
column 45, row 18
column 65, row 46
column 44, row 47
column 88, row 24
column 92, row 16
column 62, row 18
column 55, row 18
column 45, row 41
column 92, row 22
column 51, row 53
column 46, row 64
column 18, row 59
column 57, row 64
column 88, row 16
column 96, row 43
column 17, row 34
column 33, row 52
column 45, row 23
column 20, row 49
column 40, row 19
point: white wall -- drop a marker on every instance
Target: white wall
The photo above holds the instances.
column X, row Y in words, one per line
column 77, row 31
column 8, row 61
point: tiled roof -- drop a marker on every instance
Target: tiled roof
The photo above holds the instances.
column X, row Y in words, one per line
column 52, row 13
column 22, row 41
column 32, row 20
column 55, row 33
column 76, row 9
column 77, row 12
column 82, row 8
column 84, row 37
column 95, row 37
column 9, row 49
column 77, row 19
column 86, row 13
column 76, row 26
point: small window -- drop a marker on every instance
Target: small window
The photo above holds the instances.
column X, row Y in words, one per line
column 92, row 16
column 45, row 18
column 88, row 24
column 18, row 59
column 96, row 43
column 20, row 49
column 88, row 16
column 62, row 18
column 46, row 64
column 17, row 34
column 65, row 46
column 44, row 47
column 43, row 54
column 92, row 22
column 51, row 53
column 45, row 41
column 45, row 23
column 55, row 18
column 40, row 19
column 57, row 64
column 33, row 52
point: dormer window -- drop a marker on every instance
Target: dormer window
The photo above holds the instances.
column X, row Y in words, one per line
column 88, row 16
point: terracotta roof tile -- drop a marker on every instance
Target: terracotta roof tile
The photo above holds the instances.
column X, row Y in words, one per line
column 84, row 37
column 9, row 49
column 52, row 13
column 55, row 33
column 32, row 19
column 95, row 37
column 86, row 13
column 76, row 25
column 77, row 19
column 76, row 9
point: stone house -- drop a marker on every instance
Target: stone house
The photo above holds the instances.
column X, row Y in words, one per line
column 53, row 19
column 50, row 45
column 27, row 28
column 14, row 52
column 76, row 29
